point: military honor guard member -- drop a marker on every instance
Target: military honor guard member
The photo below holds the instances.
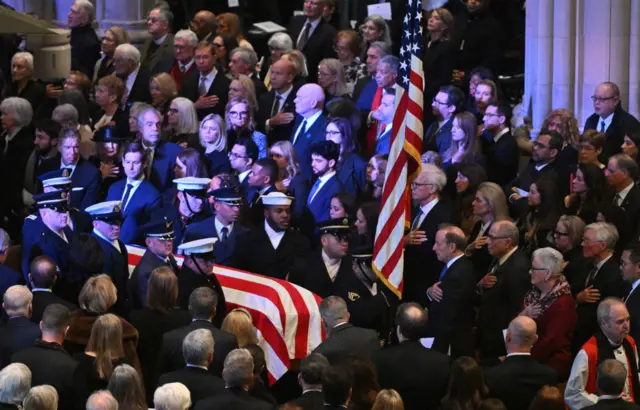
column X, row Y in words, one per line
column 78, row 221
column 190, row 205
column 107, row 219
column 223, row 224
column 159, row 240
column 197, row 271
column 274, row 246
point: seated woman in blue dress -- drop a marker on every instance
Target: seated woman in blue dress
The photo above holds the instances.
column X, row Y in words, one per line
column 213, row 140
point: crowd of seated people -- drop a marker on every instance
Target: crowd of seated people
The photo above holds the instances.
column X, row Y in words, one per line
column 521, row 256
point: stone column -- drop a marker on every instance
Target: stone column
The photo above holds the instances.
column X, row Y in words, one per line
column 128, row 14
column 572, row 46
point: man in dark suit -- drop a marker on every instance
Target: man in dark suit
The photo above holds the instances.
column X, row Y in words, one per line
column 324, row 158
column 609, row 117
column 402, row 366
column 421, row 266
column 517, row 380
column 383, row 115
column 160, row 46
column 85, row 44
column 309, row 126
column 161, row 155
column 337, row 382
column 344, row 339
column 206, row 87
column 202, row 306
column 310, row 379
column 366, row 87
column 42, row 277
column 242, row 61
column 502, row 289
column 238, row 379
column 107, row 220
column 499, row 147
column 274, row 246
column 261, row 181
column 602, row 281
column 543, row 165
column 204, row 23
column 243, row 154
column 313, row 36
column 128, row 66
column 18, row 332
column 610, row 383
column 451, row 312
column 181, row 62
column 446, row 104
column 8, row 276
column 621, row 173
column 48, row 361
column 85, row 177
column 630, row 267
column 140, row 199
column 276, row 110
column 197, row 350
column 159, row 240
column 223, row 224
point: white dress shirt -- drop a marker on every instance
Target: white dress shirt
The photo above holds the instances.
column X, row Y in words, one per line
column 607, row 122
column 633, row 287
column 314, row 25
column 323, row 180
column 243, row 175
column 425, row 211
column 208, row 78
column 131, row 78
column 274, row 237
column 500, row 134
column 332, row 265
column 219, row 227
column 114, row 243
column 623, row 194
column 507, row 255
column 310, row 121
column 160, row 40
column 185, row 67
column 135, row 184
column 72, row 167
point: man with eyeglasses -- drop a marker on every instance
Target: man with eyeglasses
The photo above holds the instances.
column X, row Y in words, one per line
column 160, row 46
column 621, row 173
column 630, row 267
column 206, row 87
column 610, row 118
column 502, row 289
column 184, row 46
column 603, row 280
column 312, row 35
column 262, row 181
column 499, row 147
column 366, row 87
column 446, row 104
column 546, row 148
column 242, row 156
column 276, row 109
column 421, row 266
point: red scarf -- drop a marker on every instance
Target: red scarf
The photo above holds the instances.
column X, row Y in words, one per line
column 372, row 132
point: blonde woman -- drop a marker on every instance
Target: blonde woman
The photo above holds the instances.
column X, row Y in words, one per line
column 229, row 23
column 213, row 139
column 290, row 180
column 332, row 79
column 299, row 62
column 182, row 122
column 239, row 117
column 239, row 323
column 163, row 89
column 489, row 206
column 112, row 38
column 243, row 87
column 388, row 399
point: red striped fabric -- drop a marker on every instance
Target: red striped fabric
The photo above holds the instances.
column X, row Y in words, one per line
column 286, row 316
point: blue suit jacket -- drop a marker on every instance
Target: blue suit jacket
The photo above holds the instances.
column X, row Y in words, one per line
column 141, row 207
column 116, row 265
column 164, row 161
column 207, row 229
column 352, row 174
column 366, row 97
column 85, row 176
column 438, row 140
column 383, row 143
column 8, row 278
column 319, row 207
column 304, row 142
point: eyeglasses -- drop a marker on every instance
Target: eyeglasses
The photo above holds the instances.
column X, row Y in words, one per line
column 179, row 47
column 233, row 155
column 217, row 45
column 601, row 99
column 332, row 133
column 154, row 19
column 415, row 185
column 558, row 233
column 236, row 114
column 490, row 114
column 435, row 101
column 495, row 238
column 588, row 241
column 532, row 269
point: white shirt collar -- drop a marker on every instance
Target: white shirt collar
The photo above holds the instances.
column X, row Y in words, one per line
column 428, row 207
column 500, row 134
column 11, row 135
column 452, row 261
column 98, row 233
column 634, row 286
column 135, row 182
column 623, row 194
column 602, row 262
column 70, row 166
column 219, row 226
column 388, row 127
column 540, row 166
column 311, row 120
column 186, row 66
column 607, row 121
column 210, row 76
column 196, row 366
column 284, row 95
column 132, row 76
column 243, row 175
column 41, row 290
column 507, row 255
column 161, row 39
column 328, row 261
column 274, row 237
column 519, row 354
column 323, row 179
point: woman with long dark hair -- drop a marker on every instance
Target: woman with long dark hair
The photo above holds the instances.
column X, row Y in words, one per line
column 367, row 222
column 466, row 388
column 544, row 210
column 351, row 168
column 591, row 193
column 467, row 181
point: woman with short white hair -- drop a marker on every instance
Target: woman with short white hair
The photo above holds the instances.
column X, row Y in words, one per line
column 23, row 84
column 182, row 122
column 172, row 396
column 15, row 382
column 44, row 397
column 278, row 44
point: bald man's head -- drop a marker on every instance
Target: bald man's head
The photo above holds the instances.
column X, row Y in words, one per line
column 411, row 320
column 521, row 334
column 203, row 23
column 309, row 100
column 282, row 75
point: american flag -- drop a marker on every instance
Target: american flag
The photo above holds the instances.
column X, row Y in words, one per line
column 286, row 316
column 404, row 154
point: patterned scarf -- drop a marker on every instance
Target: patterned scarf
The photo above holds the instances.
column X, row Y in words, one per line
column 535, row 298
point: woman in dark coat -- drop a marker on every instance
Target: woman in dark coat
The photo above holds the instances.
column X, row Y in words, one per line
column 109, row 141
column 351, row 169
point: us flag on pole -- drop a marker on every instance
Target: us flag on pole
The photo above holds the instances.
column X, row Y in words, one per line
column 404, row 154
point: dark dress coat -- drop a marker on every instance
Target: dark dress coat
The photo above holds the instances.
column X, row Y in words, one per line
column 200, row 382
column 219, row 87
column 17, row 333
column 346, row 340
column 85, row 178
column 319, row 45
column 85, row 49
column 42, row 299
column 223, row 250
column 235, row 398
column 622, row 124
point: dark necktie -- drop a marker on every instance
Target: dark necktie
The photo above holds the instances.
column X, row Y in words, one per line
column 202, row 88
column 591, row 276
column 314, row 189
column 416, row 221
column 182, row 68
column 304, row 36
column 127, row 194
column 494, row 266
column 602, row 126
column 276, row 106
column 616, row 200
column 224, row 234
column 303, row 130
column 171, row 261
column 444, row 270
